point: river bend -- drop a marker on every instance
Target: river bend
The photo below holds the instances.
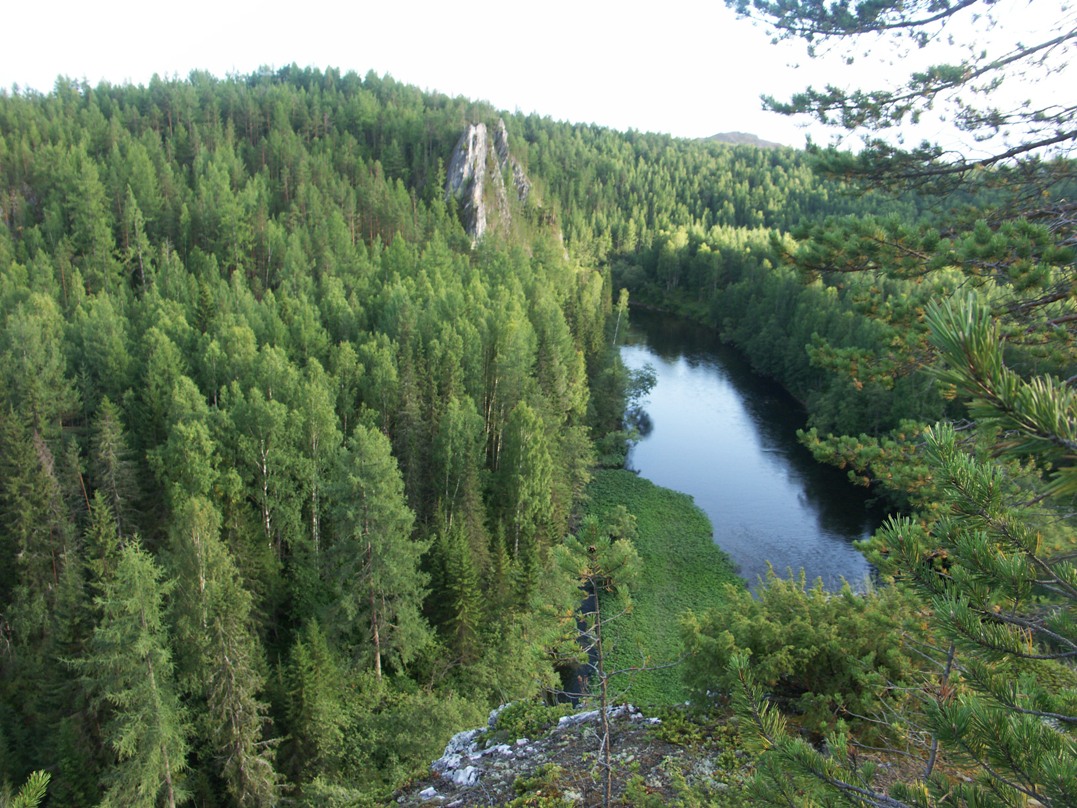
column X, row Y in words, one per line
column 727, row 437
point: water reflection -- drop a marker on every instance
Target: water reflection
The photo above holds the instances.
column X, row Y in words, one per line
column 728, row 438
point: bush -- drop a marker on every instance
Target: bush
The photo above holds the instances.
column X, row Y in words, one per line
column 823, row 656
column 528, row 719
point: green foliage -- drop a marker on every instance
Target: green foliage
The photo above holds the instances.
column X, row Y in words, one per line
column 989, row 554
column 130, row 668
column 822, row 656
column 114, row 472
column 544, row 789
column 996, row 599
column 1006, row 603
column 1034, row 416
column 237, row 318
column 843, row 340
column 683, row 568
column 459, row 613
column 348, row 727
column 894, row 460
column 30, row 795
column 529, row 719
column 374, row 566
column 321, row 792
column 314, row 702
column 393, row 733
column 524, row 478
column 220, row 660
column 1008, row 129
column 789, row 769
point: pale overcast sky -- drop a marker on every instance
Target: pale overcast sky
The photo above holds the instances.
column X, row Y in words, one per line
column 686, row 67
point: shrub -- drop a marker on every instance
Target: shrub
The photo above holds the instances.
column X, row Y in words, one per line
column 823, row 656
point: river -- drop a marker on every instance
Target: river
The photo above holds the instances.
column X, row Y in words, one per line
column 727, row 437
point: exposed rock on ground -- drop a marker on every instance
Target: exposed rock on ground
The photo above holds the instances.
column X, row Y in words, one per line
column 485, row 767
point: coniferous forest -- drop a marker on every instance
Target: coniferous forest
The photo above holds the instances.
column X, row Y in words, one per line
column 291, row 463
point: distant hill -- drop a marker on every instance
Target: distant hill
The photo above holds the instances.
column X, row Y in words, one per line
column 744, row 139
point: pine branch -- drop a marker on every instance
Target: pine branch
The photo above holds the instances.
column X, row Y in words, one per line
column 802, row 20
column 922, row 87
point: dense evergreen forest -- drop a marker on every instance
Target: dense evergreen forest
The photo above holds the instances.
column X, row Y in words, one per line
column 283, row 456
column 286, row 455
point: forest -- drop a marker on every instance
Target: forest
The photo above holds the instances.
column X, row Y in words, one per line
column 290, row 464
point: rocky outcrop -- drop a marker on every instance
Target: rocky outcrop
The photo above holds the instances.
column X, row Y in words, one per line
column 486, row 767
column 476, row 179
column 506, row 160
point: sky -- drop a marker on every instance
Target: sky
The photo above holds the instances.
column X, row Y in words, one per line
column 685, row 67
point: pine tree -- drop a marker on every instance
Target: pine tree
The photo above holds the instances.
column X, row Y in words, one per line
column 30, row 795
column 1006, row 598
column 995, row 575
column 1006, row 127
column 992, row 563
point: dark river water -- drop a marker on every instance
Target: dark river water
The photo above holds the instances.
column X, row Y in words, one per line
column 727, row 437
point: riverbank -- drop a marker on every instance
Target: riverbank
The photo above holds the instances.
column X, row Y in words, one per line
column 682, row 569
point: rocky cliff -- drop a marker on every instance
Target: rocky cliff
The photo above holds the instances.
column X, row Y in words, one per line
column 477, row 176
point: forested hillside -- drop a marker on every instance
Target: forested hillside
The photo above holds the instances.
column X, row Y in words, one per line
column 283, row 456
column 286, row 453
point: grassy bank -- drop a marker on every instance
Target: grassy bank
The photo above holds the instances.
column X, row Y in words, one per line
column 682, row 569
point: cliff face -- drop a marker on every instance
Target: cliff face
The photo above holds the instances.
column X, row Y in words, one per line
column 476, row 179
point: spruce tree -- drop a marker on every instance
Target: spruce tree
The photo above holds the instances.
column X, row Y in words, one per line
column 113, row 468
column 457, row 601
column 314, row 707
column 36, row 528
column 75, row 746
column 524, row 481
column 219, row 656
column 373, row 564
column 129, row 667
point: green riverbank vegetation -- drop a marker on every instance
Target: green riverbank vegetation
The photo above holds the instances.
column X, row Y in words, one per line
column 682, row 569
